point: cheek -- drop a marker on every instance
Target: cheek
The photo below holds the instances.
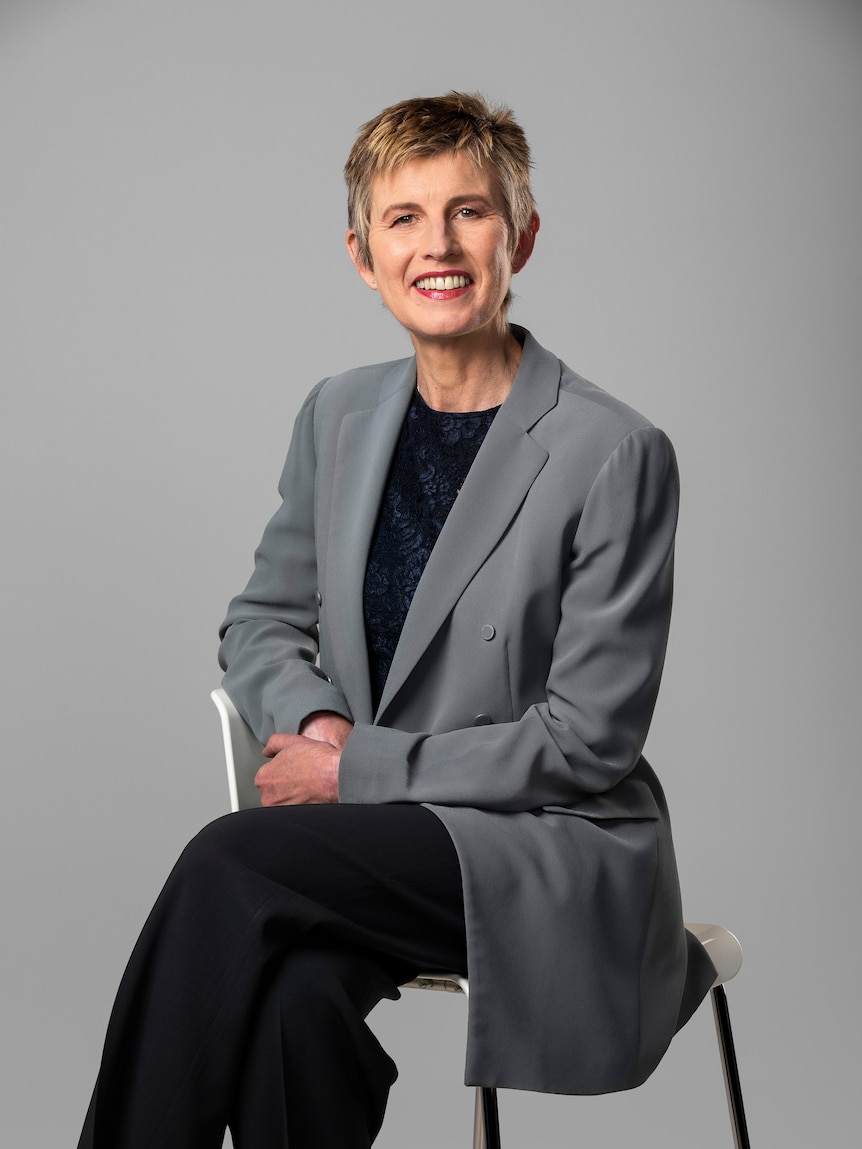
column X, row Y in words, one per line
column 500, row 258
column 391, row 266
column 502, row 268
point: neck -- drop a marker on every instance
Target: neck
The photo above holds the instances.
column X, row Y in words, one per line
column 471, row 373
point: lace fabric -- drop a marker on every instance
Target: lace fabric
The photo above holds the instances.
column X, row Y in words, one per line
column 434, row 454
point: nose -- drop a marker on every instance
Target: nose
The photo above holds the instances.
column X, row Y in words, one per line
column 440, row 239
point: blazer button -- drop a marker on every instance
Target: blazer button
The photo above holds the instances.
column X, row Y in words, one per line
column 483, row 720
column 488, row 632
column 319, row 599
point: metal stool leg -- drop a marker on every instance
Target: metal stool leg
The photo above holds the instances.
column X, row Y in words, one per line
column 730, row 1068
column 486, row 1122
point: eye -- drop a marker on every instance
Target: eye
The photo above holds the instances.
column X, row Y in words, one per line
column 403, row 220
column 467, row 212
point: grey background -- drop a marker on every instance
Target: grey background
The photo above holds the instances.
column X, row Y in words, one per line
column 173, row 282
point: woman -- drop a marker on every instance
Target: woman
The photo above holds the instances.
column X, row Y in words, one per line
column 451, row 645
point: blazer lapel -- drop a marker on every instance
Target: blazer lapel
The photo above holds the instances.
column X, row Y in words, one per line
column 366, row 443
column 504, row 470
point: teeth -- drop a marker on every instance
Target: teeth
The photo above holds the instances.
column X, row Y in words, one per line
column 442, row 282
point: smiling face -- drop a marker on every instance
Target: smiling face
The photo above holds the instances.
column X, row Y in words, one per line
column 442, row 254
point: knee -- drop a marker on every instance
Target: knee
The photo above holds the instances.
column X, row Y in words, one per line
column 315, row 982
column 209, row 854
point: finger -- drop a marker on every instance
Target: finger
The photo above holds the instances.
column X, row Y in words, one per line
column 277, row 743
column 262, row 778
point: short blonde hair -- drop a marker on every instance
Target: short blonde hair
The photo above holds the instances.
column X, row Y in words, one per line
column 424, row 127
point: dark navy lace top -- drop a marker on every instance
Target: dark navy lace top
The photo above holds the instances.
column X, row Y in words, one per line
column 434, row 454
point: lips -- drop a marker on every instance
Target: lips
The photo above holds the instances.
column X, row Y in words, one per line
column 448, row 282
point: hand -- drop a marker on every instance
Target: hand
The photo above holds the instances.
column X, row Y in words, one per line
column 327, row 726
column 302, row 770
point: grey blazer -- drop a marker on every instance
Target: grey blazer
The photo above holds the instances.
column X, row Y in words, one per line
column 516, row 707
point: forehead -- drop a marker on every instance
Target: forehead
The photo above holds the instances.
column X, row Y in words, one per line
column 433, row 181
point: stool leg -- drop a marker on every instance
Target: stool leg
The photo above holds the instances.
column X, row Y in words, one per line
column 730, row 1068
column 478, row 1122
column 486, row 1122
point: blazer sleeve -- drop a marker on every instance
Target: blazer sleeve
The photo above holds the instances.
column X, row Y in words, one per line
column 587, row 734
column 269, row 637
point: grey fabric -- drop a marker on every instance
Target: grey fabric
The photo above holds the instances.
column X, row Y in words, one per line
column 516, row 707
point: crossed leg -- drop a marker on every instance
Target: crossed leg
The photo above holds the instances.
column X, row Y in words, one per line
column 244, row 1001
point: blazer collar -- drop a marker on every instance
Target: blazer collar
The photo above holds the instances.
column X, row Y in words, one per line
column 366, row 444
column 536, row 385
column 502, row 473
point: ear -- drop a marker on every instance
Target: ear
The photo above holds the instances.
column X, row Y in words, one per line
column 526, row 243
column 358, row 262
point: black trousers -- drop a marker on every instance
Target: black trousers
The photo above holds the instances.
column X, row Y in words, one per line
column 244, row 1001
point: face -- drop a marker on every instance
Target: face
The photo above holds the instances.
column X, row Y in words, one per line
column 442, row 256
